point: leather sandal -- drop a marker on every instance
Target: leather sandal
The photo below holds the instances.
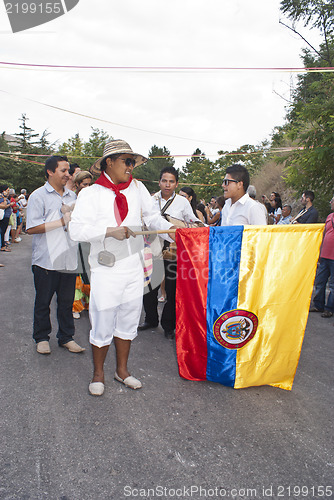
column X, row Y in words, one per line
column 327, row 314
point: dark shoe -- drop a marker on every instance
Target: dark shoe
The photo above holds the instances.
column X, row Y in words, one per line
column 146, row 326
column 327, row 314
column 315, row 310
column 169, row 334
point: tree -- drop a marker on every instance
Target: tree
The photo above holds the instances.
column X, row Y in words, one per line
column 310, row 117
column 6, row 163
column 149, row 173
column 202, row 175
column 313, row 166
column 317, row 14
column 73, row 148
column 26, row 170
column 252, row 157
column 26, row 136
column 93, row 148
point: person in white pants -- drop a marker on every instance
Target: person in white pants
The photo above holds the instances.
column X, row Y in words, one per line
column 106, row 214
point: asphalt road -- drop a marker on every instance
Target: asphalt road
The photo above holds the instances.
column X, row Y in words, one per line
column 172, row 439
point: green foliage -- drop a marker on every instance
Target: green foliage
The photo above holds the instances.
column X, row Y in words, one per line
column 315, row 13
column 313, row 166
column 149, row 173
column 26, row 137
column 310, row 122
column 202, row 175
column 252, row 157
column 6, row 164
column 93, row 148
column 25, row 173
column 85, row 153
column 73, row 149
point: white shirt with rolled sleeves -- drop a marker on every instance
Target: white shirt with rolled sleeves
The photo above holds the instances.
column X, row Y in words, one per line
column 243, row 212
column 180, row 207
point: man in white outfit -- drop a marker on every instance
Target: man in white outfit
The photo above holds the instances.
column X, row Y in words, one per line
column 239, row 208
column 103, row 216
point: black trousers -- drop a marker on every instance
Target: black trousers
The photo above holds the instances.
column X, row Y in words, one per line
column 3, row 229
column 150, row 300
column 47, row 283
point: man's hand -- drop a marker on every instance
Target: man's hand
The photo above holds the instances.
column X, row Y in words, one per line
column 172, row 235
column 65, row 209
column 67, row 217
column 120, row 233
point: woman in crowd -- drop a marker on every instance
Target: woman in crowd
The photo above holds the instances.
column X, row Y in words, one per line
column 201, row 208
column 82, row 180
column 215, row 220
column 276, row 204
column 190, row 194
column 6, row 206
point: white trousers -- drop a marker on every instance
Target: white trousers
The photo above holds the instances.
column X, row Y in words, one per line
column 115, row 304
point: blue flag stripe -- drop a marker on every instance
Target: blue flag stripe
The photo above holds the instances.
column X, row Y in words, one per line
column 224, row 261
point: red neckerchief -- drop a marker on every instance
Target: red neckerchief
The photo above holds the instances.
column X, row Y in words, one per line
column 121, row 204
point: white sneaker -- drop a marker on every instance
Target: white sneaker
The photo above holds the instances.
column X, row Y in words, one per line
column 76, row 315
column 18, row 240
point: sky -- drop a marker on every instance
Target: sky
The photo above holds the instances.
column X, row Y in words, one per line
column 180, row 109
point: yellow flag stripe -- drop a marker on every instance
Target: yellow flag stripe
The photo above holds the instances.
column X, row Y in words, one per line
column 277, row 269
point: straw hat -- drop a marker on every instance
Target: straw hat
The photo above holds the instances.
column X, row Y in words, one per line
column 116, row 147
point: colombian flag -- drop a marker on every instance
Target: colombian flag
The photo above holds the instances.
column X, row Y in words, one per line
column 242, row 300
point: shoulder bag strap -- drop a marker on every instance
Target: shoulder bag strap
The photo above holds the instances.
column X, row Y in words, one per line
column 168, row 204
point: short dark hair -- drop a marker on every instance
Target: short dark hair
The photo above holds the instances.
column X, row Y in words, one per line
column 3, row 187
column 52, row 163
column 310, row 195
column 170, row 170
column 221, row 201
column 73, row 166
column 239, row 173
column 103, row 163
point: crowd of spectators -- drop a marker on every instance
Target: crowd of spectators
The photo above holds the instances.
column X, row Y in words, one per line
column 12, row 216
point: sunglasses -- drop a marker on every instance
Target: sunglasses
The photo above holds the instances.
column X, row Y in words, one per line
column 129, row 162
column 227, row 181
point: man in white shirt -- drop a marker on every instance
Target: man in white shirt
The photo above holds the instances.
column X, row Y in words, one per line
column 179, row 208
column 239, row 208
column 102, row 216
column 251, row 191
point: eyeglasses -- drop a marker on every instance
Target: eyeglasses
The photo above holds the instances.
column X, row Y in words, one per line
column 227, row 181
column 129, row 162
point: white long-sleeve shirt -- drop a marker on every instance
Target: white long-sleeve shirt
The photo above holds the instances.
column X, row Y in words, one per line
column 243, row 212
column 180, row 207
column 94, row 213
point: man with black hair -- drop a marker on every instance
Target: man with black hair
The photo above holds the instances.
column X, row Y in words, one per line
column 239, row 208
column 178, row 207
column 309, row 214
column 54, row 256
